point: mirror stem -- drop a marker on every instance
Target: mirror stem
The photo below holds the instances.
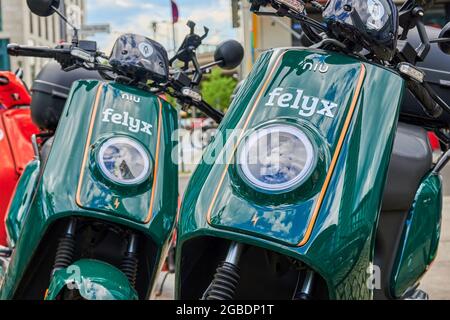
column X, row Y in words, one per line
column 440, row 40
column 211, row 64
column 64, row 18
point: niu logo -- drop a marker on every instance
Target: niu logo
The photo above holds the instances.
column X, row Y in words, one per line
column 316, row 66
column 130, row 97
column 315, row 62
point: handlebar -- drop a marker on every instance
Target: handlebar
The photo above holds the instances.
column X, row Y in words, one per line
column 214, row 114
column 426, row 96
column 39, row 52
column 83, row 56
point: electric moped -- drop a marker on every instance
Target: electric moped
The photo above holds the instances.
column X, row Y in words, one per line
column 93, row 217
column 305, row 196
column 16, row 129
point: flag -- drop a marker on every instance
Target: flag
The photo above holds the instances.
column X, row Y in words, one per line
column 175, row 12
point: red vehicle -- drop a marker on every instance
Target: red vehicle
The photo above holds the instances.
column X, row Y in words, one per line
column 16, row 129
column 434, row 141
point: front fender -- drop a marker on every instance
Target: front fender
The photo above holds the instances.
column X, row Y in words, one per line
column 95, row 280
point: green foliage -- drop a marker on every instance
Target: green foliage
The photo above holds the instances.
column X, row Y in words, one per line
column 217, row 89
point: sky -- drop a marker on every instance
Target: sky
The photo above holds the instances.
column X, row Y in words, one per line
column 136, row 16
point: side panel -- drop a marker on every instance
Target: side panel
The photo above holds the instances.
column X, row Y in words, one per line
column 420, row 237
column 21, row 201
column 330, row 225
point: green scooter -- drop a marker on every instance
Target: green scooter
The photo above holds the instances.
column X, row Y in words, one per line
column 289, row 201
column 93, row 218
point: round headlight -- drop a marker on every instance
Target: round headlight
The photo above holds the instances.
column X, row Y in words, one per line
column 124, row 161
column 277, row 158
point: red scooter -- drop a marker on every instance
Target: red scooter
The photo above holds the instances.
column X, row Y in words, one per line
column 16, row 129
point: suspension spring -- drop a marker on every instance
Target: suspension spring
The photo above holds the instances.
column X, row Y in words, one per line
column 226, row 279
column 225, row 282
column 130, row 261
column 66, row 248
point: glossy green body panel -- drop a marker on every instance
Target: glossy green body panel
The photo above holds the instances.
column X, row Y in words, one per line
column 341, row 244
column 95, row 280
column 55, row 196
column 125, row 116
column 21, row 200
column 420, row 238
column 238, row 204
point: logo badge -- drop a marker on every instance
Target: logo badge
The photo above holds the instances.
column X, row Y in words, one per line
column 146, row 49
column 126, row 120
column 314, row 63
column 296, row 99
column 131, row 97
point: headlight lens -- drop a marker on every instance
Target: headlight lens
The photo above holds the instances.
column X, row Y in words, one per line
column 124, row 161
column 277, row 158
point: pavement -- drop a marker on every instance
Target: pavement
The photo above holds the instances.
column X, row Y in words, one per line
column 436, row 281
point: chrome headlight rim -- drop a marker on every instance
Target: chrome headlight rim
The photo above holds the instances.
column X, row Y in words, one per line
column 282, row 188
column 145, row 155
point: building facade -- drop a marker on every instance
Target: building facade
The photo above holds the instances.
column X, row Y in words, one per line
column 261, row 33
column 19, row 25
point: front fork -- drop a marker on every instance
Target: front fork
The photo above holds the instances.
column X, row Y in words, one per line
column 305, row 291
column 67, row 245
column 226, row 279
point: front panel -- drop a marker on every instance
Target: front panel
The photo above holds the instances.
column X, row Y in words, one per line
column 314, row 92
column 348, row 110
column 121, row 154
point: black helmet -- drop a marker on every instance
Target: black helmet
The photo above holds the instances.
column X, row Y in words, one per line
column 372, row 24
column 50, row 91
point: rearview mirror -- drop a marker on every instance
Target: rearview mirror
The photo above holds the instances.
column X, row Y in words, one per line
column 230, row 54
column 43, row 8
column 445, row 34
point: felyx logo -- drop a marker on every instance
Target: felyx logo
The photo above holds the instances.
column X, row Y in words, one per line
column 307, row 106
column 134, row 125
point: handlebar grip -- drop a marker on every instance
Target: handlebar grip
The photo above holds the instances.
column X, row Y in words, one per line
column 26, row 51
column 421, row 92
column 214, row 114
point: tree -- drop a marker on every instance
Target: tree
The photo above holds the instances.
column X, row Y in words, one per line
column 217, row 89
